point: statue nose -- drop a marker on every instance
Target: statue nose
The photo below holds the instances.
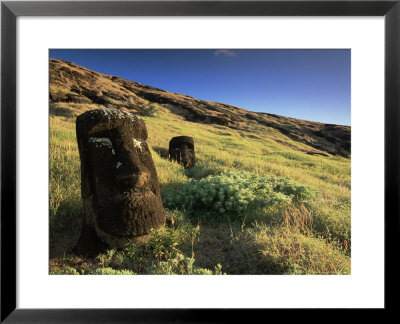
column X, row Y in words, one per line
column 184, row 159
column 184, row 153
column 134, row 179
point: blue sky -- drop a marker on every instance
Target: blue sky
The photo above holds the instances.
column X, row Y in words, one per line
column 306, row 84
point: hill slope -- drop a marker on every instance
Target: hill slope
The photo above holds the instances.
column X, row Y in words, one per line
column 71, row 83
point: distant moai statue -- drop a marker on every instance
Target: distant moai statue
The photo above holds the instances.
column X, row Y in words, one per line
column 119, row 183
column 181, row 149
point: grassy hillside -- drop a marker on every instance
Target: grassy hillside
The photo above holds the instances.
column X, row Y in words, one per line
column 76, row 85
column 306, row 234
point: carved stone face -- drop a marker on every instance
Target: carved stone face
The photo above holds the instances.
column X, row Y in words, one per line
column 120, row 187
column 181, row 149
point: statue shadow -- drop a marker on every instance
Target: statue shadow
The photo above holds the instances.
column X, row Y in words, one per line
column 161, row 151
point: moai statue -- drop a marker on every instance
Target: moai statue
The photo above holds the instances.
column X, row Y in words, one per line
column 181, row 149
column 119, row 183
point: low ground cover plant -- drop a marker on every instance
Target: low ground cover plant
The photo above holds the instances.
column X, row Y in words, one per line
column 236, row 196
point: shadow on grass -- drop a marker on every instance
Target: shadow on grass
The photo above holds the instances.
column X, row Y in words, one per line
column 65, row 227
column 170, row 189
column 161, row 151
column 229, row 246
column 199, row 171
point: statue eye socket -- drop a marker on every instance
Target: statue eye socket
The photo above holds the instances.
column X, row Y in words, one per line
column 102, row 142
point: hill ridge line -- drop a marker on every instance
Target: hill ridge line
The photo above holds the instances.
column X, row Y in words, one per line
column 72, row 83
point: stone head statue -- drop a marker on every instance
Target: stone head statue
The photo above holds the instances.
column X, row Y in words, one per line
column 181, row 149
column 119, row 183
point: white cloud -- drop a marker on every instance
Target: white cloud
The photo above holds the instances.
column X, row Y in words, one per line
column 225, row 52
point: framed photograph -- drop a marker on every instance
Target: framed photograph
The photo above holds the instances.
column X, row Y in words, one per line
column 146, row 143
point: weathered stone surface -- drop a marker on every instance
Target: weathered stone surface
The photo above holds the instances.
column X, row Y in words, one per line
column 181, row 149
column 119, row 182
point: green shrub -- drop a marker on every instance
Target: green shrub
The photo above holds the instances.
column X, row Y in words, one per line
column 182, row 265
column 64, row 271
column 111, row 271
column 236, row 196
column 298, row 193
column 106, row 258
column 163, row 243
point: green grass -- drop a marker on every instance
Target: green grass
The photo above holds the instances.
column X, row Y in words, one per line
column 312, row 237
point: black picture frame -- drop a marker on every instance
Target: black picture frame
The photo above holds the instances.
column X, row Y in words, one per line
column 10, row 10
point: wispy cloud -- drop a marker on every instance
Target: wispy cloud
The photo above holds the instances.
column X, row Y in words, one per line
column 225, row 52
